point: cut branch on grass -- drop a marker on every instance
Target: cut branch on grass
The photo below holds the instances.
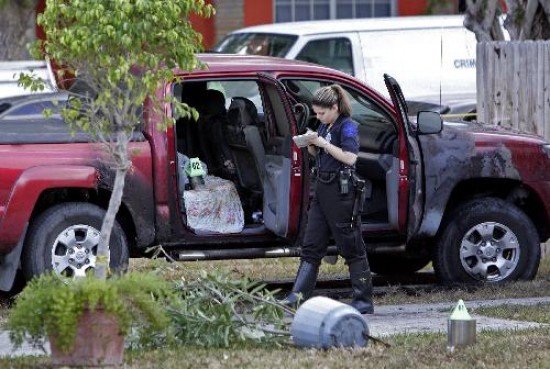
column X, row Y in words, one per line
column 237, row 311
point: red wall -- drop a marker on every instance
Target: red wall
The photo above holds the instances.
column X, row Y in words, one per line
column 257, row 12
column 412, row 7
column 206, row 27
column 40, row 6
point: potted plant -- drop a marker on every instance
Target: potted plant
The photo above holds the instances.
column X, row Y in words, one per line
column 86, row 320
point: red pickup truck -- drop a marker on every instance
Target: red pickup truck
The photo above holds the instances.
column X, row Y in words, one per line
column 473, row 200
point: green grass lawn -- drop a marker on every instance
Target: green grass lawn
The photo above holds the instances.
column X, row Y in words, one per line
column 534, row 313
column 511, row 350
column 494, row 349
column 285, row 268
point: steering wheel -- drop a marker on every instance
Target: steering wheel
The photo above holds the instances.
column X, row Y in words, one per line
column 302, row 113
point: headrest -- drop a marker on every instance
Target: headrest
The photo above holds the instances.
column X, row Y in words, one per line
column 242, row 112
column 214, row 102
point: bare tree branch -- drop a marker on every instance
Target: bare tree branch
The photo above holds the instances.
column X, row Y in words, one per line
column 528, row 19
column 17, row 22
column 490, row 13
column 546, row 7
column 530, row 12
column 512, row 22
column 481, row 19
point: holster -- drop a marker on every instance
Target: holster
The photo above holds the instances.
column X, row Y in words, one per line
column 359, row 196
column 357, row 203
column 363, row 189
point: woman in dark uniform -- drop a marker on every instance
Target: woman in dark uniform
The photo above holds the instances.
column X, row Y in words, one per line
column 335, row 147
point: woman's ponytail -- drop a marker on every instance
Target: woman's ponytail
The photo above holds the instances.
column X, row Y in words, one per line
column 331, row 95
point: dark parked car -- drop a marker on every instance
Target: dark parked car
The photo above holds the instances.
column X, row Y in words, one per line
column 456, row 108
column 31, row 107
column 28, row 113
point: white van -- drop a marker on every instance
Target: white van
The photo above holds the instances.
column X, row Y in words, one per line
column 10, row 71
column 431, row 56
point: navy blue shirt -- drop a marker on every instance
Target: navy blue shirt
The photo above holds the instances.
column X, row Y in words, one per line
column 344, row 133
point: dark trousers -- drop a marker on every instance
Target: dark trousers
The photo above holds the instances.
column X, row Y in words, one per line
column 330, row 214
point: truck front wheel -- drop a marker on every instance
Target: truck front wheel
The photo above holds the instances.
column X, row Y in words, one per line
column 487, row 240
column 65, row 239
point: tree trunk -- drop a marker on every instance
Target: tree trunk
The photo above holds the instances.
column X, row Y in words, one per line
column 17, row 29
column 480, row 18
column 528, row 19
column 102, row 264
column 524, row 19
column 122, row 166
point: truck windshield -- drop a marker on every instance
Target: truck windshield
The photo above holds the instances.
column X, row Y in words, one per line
column 256, row 44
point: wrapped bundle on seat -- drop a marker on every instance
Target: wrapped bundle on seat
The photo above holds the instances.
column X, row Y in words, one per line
column 214, row 207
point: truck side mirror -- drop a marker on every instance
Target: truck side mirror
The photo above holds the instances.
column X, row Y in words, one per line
column 429, row 122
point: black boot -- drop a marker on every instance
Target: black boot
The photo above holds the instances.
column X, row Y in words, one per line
column 361, row 283
column 303, row 285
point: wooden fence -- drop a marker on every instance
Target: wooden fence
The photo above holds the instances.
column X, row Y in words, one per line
column 513, row 85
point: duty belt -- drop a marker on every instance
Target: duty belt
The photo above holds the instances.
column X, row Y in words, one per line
column 326, row 176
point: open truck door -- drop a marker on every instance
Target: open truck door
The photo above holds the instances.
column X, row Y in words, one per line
column 410, row 187
column 284, row 168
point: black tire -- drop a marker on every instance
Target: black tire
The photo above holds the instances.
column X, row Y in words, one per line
column 396, row 265
column 487, row 240
column 74, row 220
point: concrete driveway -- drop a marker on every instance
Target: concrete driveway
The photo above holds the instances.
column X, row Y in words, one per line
column 414, row 318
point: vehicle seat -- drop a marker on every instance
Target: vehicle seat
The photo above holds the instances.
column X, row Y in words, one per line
column 211, row 124
column 245, row 142
column 188, row 141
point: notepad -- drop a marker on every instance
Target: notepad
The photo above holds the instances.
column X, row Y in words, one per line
column 303, row 140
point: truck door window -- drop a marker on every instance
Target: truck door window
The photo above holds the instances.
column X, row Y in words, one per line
column 242, row 88
column 377, row 159
column 377, row 130
column 331, row 52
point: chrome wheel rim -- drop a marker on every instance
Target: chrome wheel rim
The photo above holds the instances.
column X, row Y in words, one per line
column 489, row 251
column 74, row 251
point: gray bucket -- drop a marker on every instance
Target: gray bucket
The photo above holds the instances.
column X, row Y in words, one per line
column 460, row 333
column 322, row 323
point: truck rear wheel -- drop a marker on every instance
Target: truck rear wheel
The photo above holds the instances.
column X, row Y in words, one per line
column 487, row 240
column 65, row 238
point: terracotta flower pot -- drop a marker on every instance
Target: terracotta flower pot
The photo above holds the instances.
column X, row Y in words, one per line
column 98, row 342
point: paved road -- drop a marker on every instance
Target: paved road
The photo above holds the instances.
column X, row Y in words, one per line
column 389, row 320
column 412, row 318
